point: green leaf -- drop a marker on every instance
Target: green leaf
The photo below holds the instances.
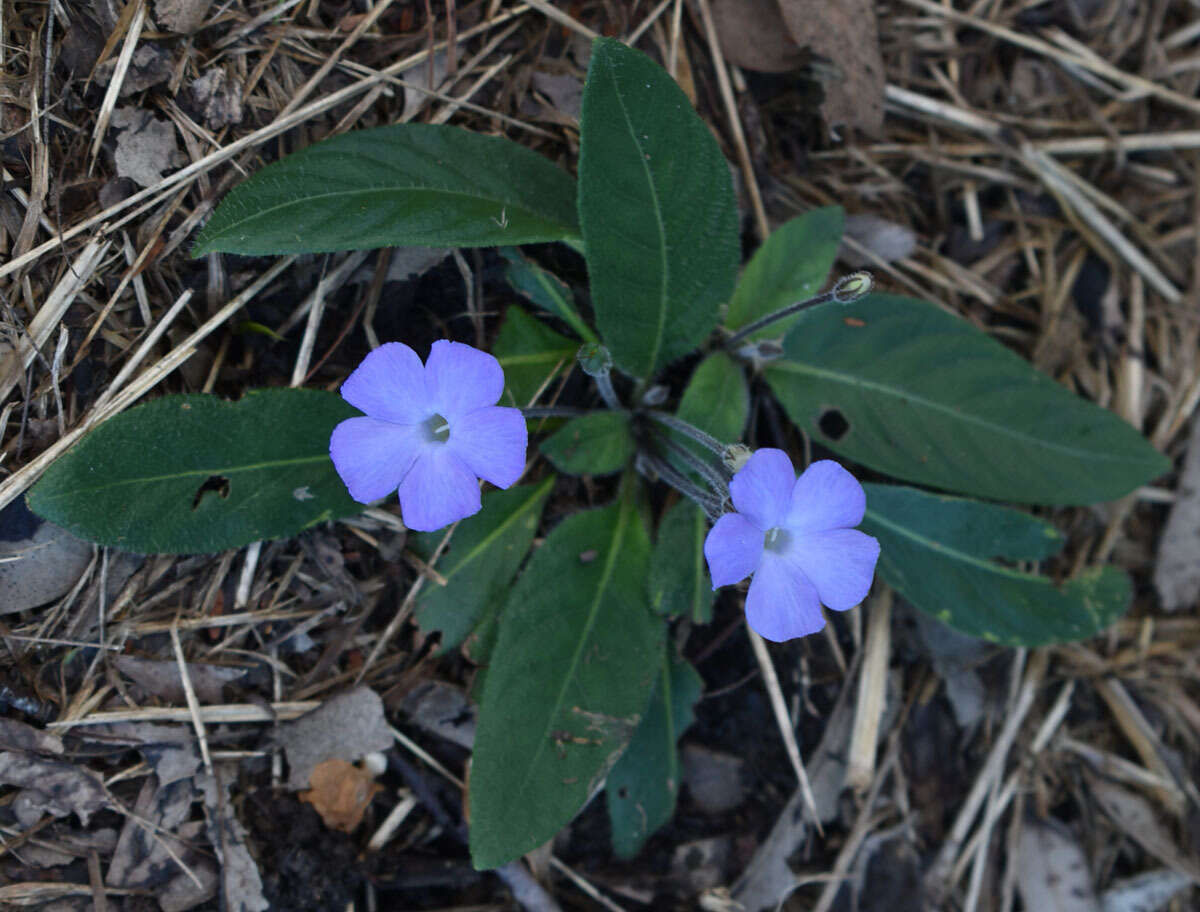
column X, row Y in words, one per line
column 642, row 787
column 420, row 184
column 940, row 553
column 679, row 582
column 717, row 398
column 790, row 266
column 657, row 211
column 929, row 398
column 530, row 354
column 597, row 443
column 193, row 473
column 484, row 556
column 570, row 678
column 544, row 289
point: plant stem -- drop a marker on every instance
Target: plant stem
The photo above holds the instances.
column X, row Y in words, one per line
column 848, row 288
column 607, row 393
column 709, row 442
column 718, row 482
column 645, row 463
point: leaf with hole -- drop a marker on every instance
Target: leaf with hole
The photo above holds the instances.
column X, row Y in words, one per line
column 569, row 681
column 194, row 473
column 901, row 386
column 953, row 559
column 642, row 787
column 422, row 184
column 484, row 555
column 657, row 212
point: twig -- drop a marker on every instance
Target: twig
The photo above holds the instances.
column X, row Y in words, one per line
column 735, row 121
column 872, row 692
column 782, row 720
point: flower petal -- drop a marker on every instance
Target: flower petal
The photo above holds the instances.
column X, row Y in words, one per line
column 762, row 488
column 491, row 441
column 825, row 496
column 840, row 563
column 782, row 603
column 373, row 456
column 461, row 379
column 733, row 548
column 438, row 490
column 389, row 384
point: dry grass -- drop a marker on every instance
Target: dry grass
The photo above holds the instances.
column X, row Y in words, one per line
column 1021, row 157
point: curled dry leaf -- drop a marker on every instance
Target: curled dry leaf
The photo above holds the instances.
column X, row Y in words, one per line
column 846, row 35
column 754, row 36
column 340, row 793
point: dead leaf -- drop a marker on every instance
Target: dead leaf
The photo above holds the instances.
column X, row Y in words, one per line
column 713, row 778
column 182, row 893
column 39, row 561
column 143, row 857
column 219, row 98
column 151, row 65
column 418, row 77
column 442, row 709
column 1052, row 872
column 565, row 91
column 1136, row 818
column 161, row 678
column 347, row 727
column 846, row 35
column 18, row 736
column 340, row 793
column 887, row 240
column 1176, row 569
column 241, row 881
column 183, row 16
column 754, row 36
column 62, row 788
column 146, row 147
column 1147, row 892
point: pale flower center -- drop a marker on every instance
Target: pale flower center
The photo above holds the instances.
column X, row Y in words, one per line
column 777, row 540
column 437, row 429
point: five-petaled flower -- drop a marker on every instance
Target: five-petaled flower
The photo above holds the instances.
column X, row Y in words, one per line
column 431, row 430
column 795, row 535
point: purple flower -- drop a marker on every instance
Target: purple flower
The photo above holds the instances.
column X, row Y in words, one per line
column 795, row 536
column 431, row 430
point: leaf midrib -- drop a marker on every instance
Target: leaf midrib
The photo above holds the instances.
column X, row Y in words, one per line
column 981, row 563
column 593, row 612
column 193, row 473
column 664, row 281
column 306, row 200
column 537, row 494
column 796, row 367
